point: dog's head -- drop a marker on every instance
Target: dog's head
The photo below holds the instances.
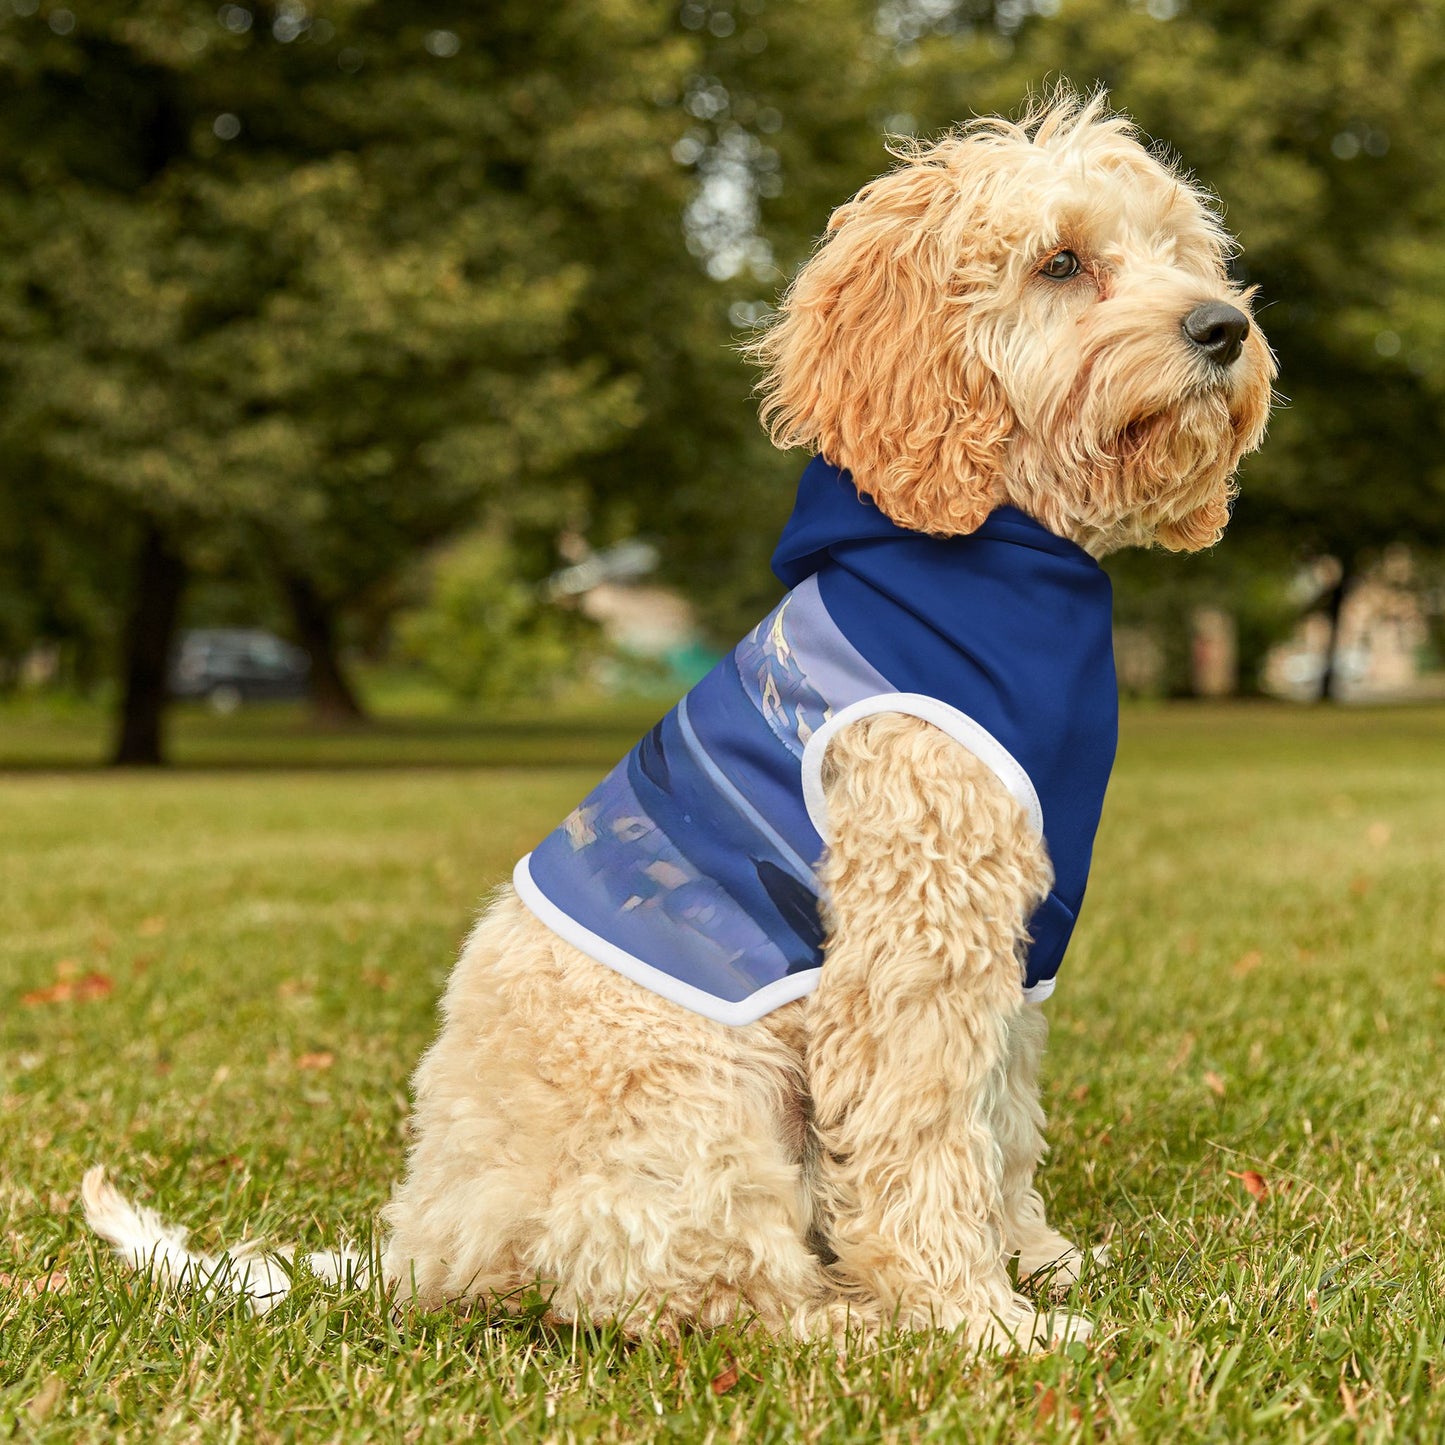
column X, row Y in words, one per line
column 1036, row 313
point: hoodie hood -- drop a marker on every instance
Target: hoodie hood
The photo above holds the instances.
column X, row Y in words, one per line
column 830, row 515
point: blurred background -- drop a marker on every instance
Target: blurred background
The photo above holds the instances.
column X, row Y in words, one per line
column 366, row 362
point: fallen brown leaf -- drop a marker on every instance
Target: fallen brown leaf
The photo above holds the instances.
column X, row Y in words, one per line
column 1214, row 1083
column 56, row 993
column 322, row 1059
column 377, row 978
column 1440, row 980
column 723, row 1382
column 1080, row 1094
column 66, row 990
column 56, row 1282
column 1255, row 1184
column 151, row 927
column 1046, row 1407
column 1247, row 963
column 1360, row 885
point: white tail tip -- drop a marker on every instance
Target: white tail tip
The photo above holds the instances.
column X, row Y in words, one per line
column 148, row 1244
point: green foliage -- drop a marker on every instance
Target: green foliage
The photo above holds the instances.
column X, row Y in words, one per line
column 780, row 117
column 486, row 634
column 307, row 294
column 325, row 286
column 61, row 572
column 1250, row 988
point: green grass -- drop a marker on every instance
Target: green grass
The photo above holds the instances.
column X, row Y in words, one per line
column 1256, row 985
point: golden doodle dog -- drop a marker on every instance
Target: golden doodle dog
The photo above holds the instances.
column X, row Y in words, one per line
column 701, row 1063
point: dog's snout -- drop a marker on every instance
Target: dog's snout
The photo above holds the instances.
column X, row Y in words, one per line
column 1218, row 330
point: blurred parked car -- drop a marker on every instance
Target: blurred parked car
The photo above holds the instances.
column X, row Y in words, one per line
column 230, row 665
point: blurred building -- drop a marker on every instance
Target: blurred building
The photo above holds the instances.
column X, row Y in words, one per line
column 653, row 629
column 1382, row 651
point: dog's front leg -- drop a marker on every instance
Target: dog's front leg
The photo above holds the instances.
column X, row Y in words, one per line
column 1042, row 1251
column 931, row 876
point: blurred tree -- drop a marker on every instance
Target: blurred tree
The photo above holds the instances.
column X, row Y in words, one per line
column 329, row 283
column 303, row 282
column 323, row 285
column 486, row 634
column 782, row 109
column 58, row 570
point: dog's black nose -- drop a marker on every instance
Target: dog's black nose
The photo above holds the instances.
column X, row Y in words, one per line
column 1218, row 330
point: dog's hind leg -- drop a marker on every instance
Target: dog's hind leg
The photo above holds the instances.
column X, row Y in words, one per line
column 931, row 876
column 681, row 1199
column 577, row 1135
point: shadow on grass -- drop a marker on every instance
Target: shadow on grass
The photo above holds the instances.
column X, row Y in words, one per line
column 596, row 733
column 284, row 738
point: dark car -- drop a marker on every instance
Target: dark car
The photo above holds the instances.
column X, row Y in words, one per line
column 231, row 665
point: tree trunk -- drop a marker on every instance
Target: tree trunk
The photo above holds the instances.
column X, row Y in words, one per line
column 333, row 699
column 1329, row 677
column 160, row 578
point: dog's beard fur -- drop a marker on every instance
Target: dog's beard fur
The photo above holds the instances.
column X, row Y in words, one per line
column 1139, row 450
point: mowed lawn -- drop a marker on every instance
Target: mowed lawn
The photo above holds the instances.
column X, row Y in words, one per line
column 217, row 981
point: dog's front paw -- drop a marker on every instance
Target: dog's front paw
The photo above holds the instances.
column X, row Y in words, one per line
column 1058, row 1266
column 1023, row 1326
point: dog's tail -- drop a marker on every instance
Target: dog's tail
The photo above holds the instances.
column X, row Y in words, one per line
column 147, row 1243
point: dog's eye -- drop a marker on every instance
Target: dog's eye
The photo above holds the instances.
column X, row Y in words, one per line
column 1060, row 266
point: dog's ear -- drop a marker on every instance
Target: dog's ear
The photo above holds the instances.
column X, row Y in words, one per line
column 873, row 358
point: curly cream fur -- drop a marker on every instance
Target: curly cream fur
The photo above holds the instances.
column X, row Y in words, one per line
column 662, row 1163
column 865, row 1156
column 577, row 1134
column 909, row 1032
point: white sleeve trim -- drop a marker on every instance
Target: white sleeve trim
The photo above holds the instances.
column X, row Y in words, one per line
column 745, row 1011
column 958, row 725
column 1040, row 991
